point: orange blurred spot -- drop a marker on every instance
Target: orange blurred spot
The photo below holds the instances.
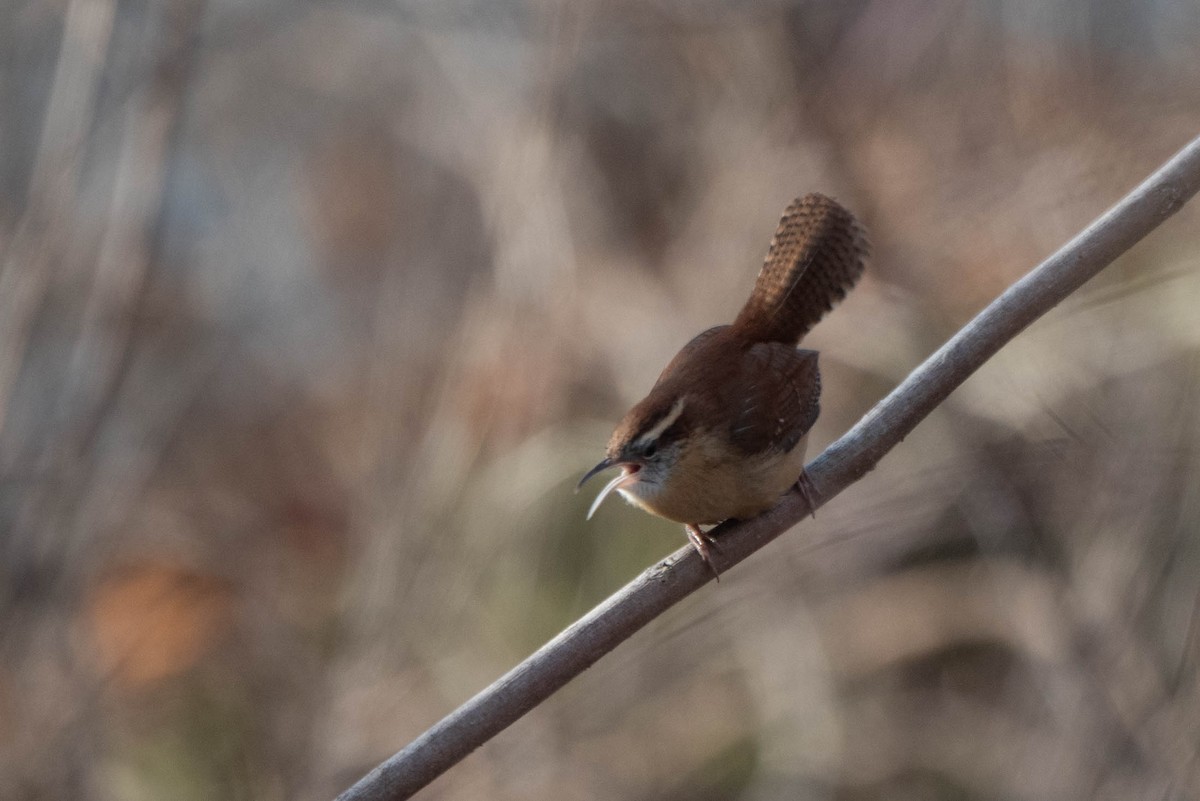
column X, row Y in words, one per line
column 154, row 620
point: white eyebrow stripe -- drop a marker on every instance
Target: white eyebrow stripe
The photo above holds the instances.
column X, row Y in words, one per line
column 663, row 424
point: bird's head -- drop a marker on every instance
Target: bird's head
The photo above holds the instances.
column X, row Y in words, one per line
column 645, row 446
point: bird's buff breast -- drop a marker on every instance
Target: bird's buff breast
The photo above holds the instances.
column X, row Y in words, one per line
column 705, row 486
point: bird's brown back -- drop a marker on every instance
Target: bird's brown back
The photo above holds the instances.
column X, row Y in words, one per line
column 760, row 395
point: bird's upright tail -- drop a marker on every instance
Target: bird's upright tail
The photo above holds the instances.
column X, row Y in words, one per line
column 815, row 257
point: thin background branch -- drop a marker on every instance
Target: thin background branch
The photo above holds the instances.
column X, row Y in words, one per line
column 844, row 462
column 27, row 262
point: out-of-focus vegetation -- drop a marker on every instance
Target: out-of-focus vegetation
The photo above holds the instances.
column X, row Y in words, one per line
column 312, row 313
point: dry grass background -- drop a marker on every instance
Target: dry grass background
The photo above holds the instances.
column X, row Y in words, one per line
column 311, row 314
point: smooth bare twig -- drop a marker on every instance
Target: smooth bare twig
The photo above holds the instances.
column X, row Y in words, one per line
column 843, row 463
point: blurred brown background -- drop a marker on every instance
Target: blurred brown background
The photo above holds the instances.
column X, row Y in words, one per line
column 311, row 314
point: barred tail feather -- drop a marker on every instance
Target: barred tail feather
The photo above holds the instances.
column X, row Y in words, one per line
column 815, row 257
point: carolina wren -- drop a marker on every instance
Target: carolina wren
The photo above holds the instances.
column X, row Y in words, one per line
column 723, row 432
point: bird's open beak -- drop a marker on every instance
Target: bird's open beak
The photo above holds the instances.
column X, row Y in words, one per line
column 627, row 473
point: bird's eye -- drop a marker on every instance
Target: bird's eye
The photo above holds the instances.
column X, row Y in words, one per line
column 650, row 448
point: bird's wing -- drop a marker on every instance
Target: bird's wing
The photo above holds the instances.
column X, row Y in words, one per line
column 778, row 400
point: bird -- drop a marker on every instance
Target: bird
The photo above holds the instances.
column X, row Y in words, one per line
column 723, row 432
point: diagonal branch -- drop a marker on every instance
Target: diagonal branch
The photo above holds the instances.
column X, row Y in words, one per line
column 843, row 463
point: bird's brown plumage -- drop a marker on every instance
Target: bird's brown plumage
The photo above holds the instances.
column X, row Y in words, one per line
column 723, row 432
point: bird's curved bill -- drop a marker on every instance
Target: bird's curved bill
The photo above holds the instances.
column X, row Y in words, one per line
column 604, row 465
column 627, row 473
column 609, row 487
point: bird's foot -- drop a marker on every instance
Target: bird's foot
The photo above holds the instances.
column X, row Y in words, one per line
column 808, row 491
column 705, row 545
